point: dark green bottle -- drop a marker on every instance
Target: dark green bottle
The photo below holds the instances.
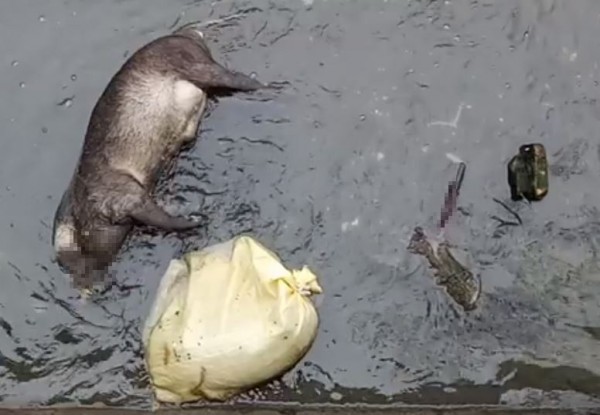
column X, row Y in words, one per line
column 528, row 173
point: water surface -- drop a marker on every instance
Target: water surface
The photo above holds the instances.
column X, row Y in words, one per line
column 333, row 171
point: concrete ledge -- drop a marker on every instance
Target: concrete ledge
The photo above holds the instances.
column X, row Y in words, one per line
column 310, row 410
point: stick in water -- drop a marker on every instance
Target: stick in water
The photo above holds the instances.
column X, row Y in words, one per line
column 451, row 197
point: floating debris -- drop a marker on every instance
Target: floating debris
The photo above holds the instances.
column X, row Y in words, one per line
column 528, row 173
column 460, row 283
column 454, row 158
column 67, row 102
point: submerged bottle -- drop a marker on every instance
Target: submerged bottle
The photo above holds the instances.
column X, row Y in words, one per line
column 528, row 173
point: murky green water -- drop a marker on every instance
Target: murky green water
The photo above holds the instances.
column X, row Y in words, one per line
column 333, row 171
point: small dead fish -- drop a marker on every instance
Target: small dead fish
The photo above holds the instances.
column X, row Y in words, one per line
column 460, row 283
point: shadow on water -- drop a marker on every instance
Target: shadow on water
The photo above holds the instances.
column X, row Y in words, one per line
column 333, row 169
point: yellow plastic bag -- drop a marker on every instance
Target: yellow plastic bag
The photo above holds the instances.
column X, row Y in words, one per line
column 225, row 319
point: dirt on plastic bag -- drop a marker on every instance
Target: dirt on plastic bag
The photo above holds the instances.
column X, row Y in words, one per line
column 226, row 318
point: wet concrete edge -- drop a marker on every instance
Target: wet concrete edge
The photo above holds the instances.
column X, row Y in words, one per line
column 305, row 410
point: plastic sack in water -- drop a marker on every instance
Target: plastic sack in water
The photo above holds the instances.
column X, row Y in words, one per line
column 225, row 319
